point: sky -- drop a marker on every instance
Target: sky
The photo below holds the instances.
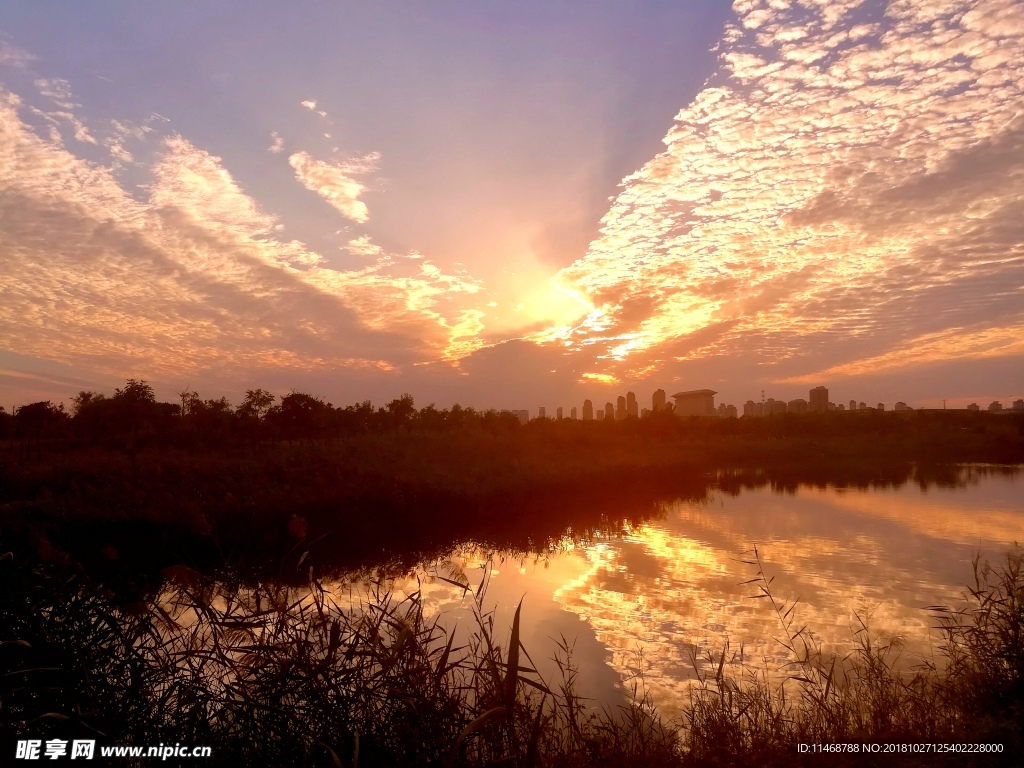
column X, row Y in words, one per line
column 514, row 204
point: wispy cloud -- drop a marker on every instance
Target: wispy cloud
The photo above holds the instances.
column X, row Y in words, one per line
column 194, row 276
column 853, row 171
column 334, row 182
column 276, row 143
column 12, row 56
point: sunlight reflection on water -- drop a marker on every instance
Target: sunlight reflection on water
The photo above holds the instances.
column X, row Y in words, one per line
column 673, row 587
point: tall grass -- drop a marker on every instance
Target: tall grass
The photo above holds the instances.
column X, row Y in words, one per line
column 269, row 675
column 974, row 694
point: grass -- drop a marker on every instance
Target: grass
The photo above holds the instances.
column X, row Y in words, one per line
column 270, row 675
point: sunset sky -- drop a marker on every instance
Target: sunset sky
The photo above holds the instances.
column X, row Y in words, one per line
column 514, row 204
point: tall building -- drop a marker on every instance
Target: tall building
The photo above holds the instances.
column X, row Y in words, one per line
column 973, row 407
column 818, row 401
column 620, row 408
column 600, row 414
column 901, row 406
column 658, row 400
column 862, row 406
column 572, row 413
column 542, row 412
column 695, row 402
column 853, row 405
column 588, row 411
column 995, row 406
column 797, row 406
column 881, row 406
column 558, row 413
column 631, row 407
column 609, row 411
column 523, row 416
column 1018, row 405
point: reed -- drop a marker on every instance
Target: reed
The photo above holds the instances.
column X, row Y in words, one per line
column 270, row 675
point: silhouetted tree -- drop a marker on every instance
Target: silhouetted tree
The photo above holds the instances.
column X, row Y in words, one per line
column 257, row 404
column 84, row 399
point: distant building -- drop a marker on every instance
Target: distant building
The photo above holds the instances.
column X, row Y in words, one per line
column 862, row 406
column 588, row 411
column 881, row 406
column 558, row 413
column 645, row 413
column 658, row 400
column 1018, row 405
column 840, row 407
column 727, row 411
column 542, row 412
column 853, row 405
column 752, row 409
column 609, row 411
column 572, row 413
column 973, row 407
column 797, row 406
column 696, row 402
column 631, row 406
column 771, row 406
column 620, row 408
column 995, row 406
column 832, row 406
column 818, row 401
column 523, row 416
column 600, row 415
column 901, row 406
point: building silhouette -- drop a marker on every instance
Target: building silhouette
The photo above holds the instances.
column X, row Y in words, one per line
column 797, row 406
column 1018, row 405
column 609, row 411
column 620, row 408
column 558, row 413
column 523, row 416
column 572, row 413
column 818, row 401
column 973, row 407
column 695, row 402
column 542, row 412
column 588, row 411
column 631, row 406
column 658, row 400
column 600, row 414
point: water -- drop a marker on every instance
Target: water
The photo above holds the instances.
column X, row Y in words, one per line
column 672, row 588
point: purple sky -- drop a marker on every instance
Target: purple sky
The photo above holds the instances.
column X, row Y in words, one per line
column 514, row 204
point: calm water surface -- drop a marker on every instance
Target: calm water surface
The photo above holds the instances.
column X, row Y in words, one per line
column 673, row 589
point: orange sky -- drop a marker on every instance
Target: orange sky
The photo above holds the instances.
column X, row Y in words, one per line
column 840, row 203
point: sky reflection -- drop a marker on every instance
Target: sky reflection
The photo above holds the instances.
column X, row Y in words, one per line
column 672, row 588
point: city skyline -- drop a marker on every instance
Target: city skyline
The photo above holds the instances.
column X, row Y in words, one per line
column 497, row 204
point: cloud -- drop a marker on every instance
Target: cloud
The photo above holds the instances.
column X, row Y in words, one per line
column 192, row 277
column 363, row 246
column 12, row 56
column 850, row 182
column 277, row 143
column 334, row 182
column 311, row 106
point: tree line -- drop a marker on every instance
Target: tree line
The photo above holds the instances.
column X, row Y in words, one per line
column 132, row 418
